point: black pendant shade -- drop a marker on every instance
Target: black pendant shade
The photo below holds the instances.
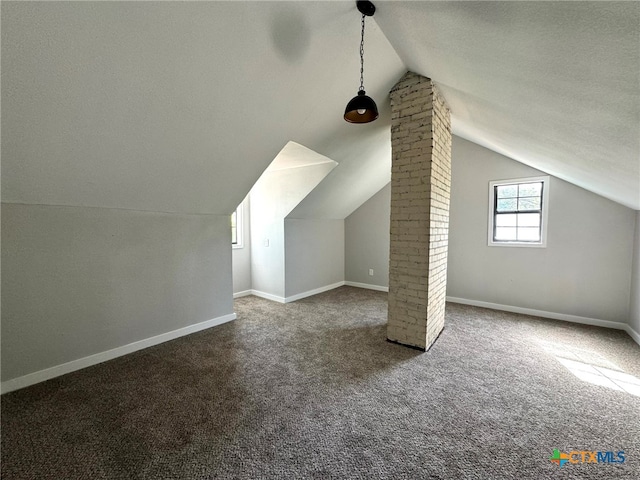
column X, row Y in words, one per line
column 361, row 109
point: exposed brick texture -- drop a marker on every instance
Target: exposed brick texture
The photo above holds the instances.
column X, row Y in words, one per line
column 420, row 188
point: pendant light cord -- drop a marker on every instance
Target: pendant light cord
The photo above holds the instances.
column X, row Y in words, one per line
column 362, row 56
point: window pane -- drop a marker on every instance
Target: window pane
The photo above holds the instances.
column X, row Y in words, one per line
column 506, row 191
column 531, row 203
column 528, row 219
column 505, row 233
column 234, row 229
column 506, row 220
column 529, row 234
column 530, row 189
column 507, row 204
column 516, row 214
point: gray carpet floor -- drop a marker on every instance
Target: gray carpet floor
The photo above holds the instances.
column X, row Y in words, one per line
column 312, row 389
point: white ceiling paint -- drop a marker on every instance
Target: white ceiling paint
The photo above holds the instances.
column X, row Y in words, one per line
column 366, row 168
column 554, row 85
column 180, row 106
column 294, row 155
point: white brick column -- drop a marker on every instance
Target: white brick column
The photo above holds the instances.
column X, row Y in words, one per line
column 420, row 188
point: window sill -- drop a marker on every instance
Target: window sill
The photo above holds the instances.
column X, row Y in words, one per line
column 518, row 244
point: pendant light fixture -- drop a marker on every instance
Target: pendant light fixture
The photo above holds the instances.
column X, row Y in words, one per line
column 362, row 108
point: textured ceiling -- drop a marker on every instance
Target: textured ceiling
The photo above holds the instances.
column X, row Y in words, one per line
column 555, row 85
column 180, row 106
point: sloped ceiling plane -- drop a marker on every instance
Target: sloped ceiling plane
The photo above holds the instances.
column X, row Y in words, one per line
column 180, row 107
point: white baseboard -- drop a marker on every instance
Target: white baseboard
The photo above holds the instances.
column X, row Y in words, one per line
column 72, row 366
column 308, row 293
column 268, row 296
column 243, row 293
column 633, row 334
column 315, row 291
column 298, row 296
column 553, row 315
column 368, row 286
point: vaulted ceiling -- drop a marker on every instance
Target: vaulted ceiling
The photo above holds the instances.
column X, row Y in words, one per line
column 180, row 106
column 555, row 85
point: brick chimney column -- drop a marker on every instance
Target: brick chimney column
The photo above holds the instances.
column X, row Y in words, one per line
column 420, row 188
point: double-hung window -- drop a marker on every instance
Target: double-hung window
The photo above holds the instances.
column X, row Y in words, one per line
column 518, row 212
column 236, row 227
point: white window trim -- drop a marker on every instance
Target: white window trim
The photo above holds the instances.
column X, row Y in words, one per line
column 239, row 227
column 545, row 212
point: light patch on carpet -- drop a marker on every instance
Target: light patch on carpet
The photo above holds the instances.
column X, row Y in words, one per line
column 593, row 368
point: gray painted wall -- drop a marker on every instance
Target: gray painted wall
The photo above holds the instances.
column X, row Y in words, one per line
column 367, row 240
column 241, row 257
column 314, row 254
column 634, row 310
column 585, row 269
column 78, row 281
column 273, row 196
